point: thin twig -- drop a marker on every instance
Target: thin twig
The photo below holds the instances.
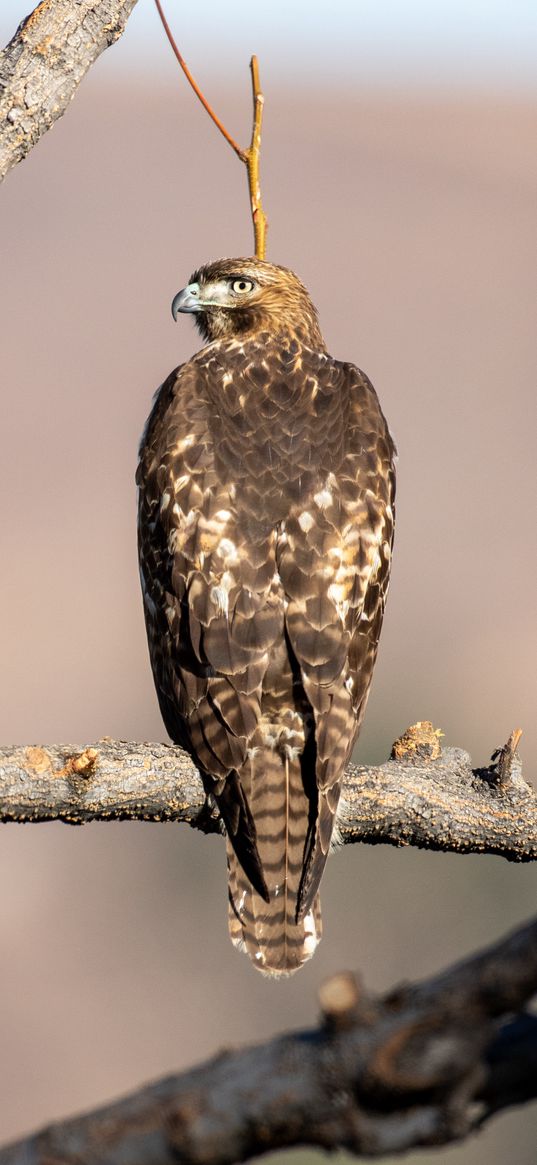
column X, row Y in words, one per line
column 249, row 156
column 252, row 162
column 242, row 154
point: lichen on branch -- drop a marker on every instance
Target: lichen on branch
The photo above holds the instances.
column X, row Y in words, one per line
column 44, row 63
column 424, row 796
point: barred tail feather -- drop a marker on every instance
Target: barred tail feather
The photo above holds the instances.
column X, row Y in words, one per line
column 268, row 932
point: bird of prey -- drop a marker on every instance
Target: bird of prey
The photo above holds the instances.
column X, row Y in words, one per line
column 266, row 487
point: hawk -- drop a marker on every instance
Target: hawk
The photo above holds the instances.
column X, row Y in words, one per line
column 266, row 487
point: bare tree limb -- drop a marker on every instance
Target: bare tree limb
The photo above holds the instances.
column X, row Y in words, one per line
column 432, row 801
column 250, row 155
column 43, row 65
column 425, row 1065
column 195, row 87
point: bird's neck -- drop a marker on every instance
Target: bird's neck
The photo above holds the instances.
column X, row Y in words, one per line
column 243, row 326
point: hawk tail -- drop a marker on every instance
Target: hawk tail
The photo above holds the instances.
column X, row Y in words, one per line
column 269, row 932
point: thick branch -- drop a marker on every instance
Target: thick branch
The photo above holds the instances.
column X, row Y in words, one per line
column 439, row 803
column 425, row 1065
column 44, row 63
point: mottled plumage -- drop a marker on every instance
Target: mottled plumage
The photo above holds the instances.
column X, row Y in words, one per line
column 265, row 527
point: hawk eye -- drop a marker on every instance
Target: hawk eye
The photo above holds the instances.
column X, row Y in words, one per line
column 242, row 286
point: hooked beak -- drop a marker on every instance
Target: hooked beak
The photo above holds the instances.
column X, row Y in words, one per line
column 187, row 300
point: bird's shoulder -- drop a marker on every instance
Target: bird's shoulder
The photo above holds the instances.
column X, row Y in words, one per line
column 365, row 413
column 183, row 381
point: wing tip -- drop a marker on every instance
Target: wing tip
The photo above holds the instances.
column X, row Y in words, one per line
column 240, row 828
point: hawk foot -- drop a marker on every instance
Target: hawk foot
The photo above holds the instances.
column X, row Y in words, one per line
column 208, row 819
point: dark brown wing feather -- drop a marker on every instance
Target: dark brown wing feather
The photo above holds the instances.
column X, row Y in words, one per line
column 334, row 561
column 209, row 637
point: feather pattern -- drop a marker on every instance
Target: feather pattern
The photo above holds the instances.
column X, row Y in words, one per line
column 268, row 931
column 266, row 483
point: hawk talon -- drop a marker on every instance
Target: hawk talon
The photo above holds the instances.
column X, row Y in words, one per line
column 208, row 820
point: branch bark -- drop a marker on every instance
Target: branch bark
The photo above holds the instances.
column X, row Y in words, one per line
column 43, row 65
column 425, row 1065
column 416, row 798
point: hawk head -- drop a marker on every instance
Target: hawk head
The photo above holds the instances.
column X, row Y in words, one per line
column 235, row 297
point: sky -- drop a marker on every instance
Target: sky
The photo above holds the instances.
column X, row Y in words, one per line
column 462, row 44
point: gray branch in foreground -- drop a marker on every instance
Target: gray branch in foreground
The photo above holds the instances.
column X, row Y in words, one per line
column 43, row 65
column 422, row 799
column 423, row 1066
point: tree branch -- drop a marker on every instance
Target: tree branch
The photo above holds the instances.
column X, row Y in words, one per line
column 416, row 798
column 425, row 1065
column 43, row 65
column 259, row 217
column 249, row 156
column 194, row 85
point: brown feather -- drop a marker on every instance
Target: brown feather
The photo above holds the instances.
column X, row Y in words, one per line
column 268, row 931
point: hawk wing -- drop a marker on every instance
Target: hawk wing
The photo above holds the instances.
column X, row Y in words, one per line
column 212, row 612
column 334, row 561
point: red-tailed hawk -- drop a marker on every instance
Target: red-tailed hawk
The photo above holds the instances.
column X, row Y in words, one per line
column 266, row 483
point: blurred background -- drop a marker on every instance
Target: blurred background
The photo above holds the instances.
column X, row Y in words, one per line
column 399, row 175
